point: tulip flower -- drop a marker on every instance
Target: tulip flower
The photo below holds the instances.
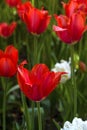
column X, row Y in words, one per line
column 74, row 6
column 37, row 20
column 7, row 30
column 23, row 8
column 38, row 83
column 13, row 3
column 8, row 61
column 70, row 7
column 70, row 29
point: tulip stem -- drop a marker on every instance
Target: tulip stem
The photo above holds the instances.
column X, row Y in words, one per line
column 35, row 50
column 73, row 81
column 53, row 6
column 4, row 102
column 26, row 112
column 39, row 116
column 4, row 110
column 32, row 115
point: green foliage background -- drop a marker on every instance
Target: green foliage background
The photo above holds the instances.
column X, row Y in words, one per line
column 59, row 104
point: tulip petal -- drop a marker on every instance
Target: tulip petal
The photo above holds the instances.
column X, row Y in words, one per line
column 62, row 20
column 77, row 23
column 32, row 20
column 7, row 67
column 12, row 53
column 45, row 19
column 23, row 8
column 63, row 34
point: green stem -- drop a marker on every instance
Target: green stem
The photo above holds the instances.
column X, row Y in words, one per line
column 80, row 47
column 53, row 6
column 35, row 50
column 32, row 115
column 4, row 102
column 26, row 113
column 28, row 51
column 4, row 110
column 39, row 116
column 73, row 80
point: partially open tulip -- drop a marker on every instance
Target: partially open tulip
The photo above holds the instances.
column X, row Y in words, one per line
column 70, row 29
column 13, row 3
column 38, row 83
column 8, row 61
column 37, row 20
column 7, row 30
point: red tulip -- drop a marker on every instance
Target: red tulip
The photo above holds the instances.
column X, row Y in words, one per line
column 38, row 83
column 37, row 20
column 8, row 61
column 75, row 5
column 70, row 29
column 13, row 3
column 70, row 7
column 82, row 5
column 23, row 8
column 7, row 30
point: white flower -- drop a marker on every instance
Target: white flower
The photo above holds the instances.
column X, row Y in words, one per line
column 77, row 124
column 63, row 66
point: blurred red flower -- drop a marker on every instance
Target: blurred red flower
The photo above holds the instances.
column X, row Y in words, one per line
column 7, row 30
column 13, row 3
column 8, row 61
column 70, row 29
column 75, row 5
column 82, row 66
column 38, row 83
column 23, row 8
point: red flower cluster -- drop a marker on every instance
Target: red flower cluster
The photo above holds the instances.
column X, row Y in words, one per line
column 72, row 25
column 38, row 83
column 36, row 20
column 7, row 30
column 8, row 61
column 13, row 3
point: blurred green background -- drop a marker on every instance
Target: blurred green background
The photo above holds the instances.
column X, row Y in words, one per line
column 59, row 105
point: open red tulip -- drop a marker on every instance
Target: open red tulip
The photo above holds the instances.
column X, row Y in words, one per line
column 70, row 29
column 13, row 3
column 7, row 30
column 38, row 83
column 8, row 61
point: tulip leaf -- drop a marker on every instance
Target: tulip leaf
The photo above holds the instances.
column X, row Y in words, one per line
column 13, row 89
